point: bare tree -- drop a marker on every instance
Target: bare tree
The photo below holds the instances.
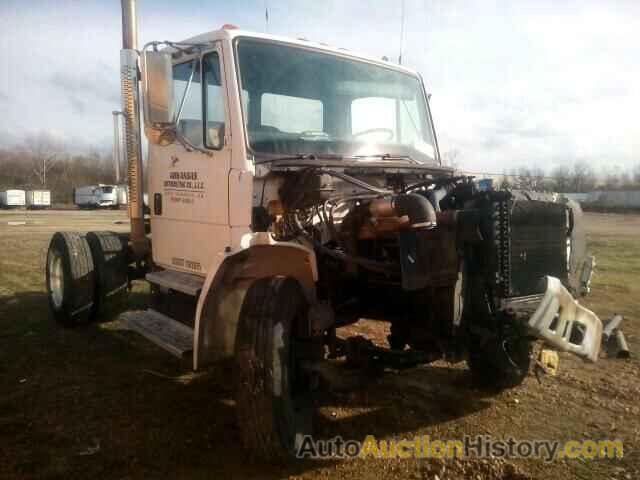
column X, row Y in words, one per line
column 523, row 179
column 582, row 177
column 562, row 179
column 538, row 180
column 12, row 170
column 625, row 180
column 43, row 150
column 611, row 181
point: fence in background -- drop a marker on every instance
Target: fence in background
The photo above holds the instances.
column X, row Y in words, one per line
column 613, row 198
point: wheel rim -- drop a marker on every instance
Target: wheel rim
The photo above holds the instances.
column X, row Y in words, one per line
column 56, row 279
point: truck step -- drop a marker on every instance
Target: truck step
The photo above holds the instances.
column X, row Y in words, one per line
column 178, row 281
column 174, row 337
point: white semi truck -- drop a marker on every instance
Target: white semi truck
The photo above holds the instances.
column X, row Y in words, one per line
column 96, row 196
column 12, row 198
column 37, row 199
column 295, row 188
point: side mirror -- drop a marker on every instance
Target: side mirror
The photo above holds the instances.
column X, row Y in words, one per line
column 157, row 89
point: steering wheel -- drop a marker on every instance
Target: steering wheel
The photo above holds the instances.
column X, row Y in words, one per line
column 388, row 131
column 314, row 135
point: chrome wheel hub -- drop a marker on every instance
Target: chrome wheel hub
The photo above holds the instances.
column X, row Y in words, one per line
column 56, row 279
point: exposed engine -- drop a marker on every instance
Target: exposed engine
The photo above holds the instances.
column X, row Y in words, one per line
column 421, row 251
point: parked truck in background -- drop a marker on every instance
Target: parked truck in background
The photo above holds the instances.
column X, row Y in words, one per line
column 36, row 199
column 12, row 198
column 96, row 196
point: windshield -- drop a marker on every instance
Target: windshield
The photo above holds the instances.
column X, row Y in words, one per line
column 298, row 101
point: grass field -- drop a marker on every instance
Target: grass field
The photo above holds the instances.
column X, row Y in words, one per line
column 101, row 402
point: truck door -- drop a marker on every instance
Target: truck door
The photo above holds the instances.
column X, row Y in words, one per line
column 189, row 179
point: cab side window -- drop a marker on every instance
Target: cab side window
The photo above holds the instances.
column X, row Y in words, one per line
column 187, row 92
column 214, row 102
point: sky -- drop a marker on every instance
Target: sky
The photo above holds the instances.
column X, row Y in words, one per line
column 514, row 83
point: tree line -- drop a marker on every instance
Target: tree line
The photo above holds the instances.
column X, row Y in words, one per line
column 579, row 177
column 43, row 162
column 574, row 177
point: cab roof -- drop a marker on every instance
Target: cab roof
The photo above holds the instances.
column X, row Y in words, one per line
column 230, row 34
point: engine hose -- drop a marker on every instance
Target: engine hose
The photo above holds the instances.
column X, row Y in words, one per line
column 419, row 210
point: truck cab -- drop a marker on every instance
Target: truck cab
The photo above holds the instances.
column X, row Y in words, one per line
column 243, row 98
column 295, row 188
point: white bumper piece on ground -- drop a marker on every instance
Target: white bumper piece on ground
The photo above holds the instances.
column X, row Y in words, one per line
column 565, row 324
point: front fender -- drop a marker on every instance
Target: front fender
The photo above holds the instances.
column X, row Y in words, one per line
column 224, row 289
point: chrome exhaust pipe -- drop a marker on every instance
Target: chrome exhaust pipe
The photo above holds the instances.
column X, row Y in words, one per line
column 129, row 76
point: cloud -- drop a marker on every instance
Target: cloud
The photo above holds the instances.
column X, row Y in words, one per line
column 513, row 83
column 77, row 105
column 83, row 89
column 88, row 84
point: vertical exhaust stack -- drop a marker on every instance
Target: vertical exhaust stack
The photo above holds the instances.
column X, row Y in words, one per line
column 129, row 74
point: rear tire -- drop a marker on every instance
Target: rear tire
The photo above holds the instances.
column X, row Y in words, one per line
column 70, row 278
column 110, row 261
column 273, row 414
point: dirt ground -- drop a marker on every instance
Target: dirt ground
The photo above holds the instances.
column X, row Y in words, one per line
column 101, row 402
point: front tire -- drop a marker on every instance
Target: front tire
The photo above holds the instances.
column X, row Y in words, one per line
column 273, row 414
column 500, row 363
column 70, row 278
column 499, row 350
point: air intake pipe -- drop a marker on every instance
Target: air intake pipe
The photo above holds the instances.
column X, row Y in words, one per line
column 131, row 112
column 418, row 209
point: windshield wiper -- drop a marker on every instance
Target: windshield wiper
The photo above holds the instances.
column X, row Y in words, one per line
column 387, row 156
column 333, row 156
column 304, row 156
column 300, row 156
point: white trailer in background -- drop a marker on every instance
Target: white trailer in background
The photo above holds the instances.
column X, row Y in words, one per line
column 12, row 199
column 96, row 196
column 38, row 199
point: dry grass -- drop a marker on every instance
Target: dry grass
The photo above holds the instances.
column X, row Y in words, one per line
column 99, row 402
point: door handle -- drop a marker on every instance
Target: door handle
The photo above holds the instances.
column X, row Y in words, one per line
column 157, row 204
